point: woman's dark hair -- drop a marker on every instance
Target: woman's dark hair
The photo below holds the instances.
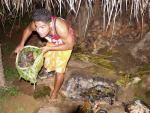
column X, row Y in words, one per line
column 41, row 15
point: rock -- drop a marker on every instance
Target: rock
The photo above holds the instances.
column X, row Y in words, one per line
column 99, row 44
column 116, row 109
column 135, row 81
column 79, row 64
column 50, row 110
column 146, row 82
column 137, row 107
column 58, row 107
column 141, row 50
column 92, row 89
column 100, row 108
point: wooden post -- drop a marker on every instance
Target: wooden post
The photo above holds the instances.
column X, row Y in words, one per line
column 2, row 81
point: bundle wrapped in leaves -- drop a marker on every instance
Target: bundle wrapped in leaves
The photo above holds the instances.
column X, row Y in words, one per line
column 29, row 62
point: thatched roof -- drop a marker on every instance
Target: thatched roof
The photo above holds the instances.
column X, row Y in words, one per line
column 21, row 6
column 110, row 8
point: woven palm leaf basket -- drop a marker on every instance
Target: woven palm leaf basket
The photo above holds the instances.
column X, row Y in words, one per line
column 29, row 62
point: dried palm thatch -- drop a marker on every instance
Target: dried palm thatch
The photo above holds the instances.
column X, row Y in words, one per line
column 111, row 8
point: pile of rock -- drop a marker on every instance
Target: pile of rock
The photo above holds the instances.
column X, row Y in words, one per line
column 92, row 89
column 137, row 107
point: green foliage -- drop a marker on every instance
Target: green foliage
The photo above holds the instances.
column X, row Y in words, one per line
column 25, row 20
column 101, row 60
column 124, row 80
column 10, row 73
column 8, row 46
column 139, row 97
column 41, row 92
column 143, row 70
column 8, row 91
column 6, row 49
column 20, row 108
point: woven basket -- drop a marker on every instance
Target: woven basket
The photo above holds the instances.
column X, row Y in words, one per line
column 30, row 73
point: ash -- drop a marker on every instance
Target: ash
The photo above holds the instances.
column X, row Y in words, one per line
column 93, row 89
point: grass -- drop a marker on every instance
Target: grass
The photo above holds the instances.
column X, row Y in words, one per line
column 10, row 73
column 41, row 91
column 6, row 49
column 143, row 70
column 101, row 60
column 8, row 91
column 5, row 94
column 20, row 108
column 124, row 80
column 139, row 97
